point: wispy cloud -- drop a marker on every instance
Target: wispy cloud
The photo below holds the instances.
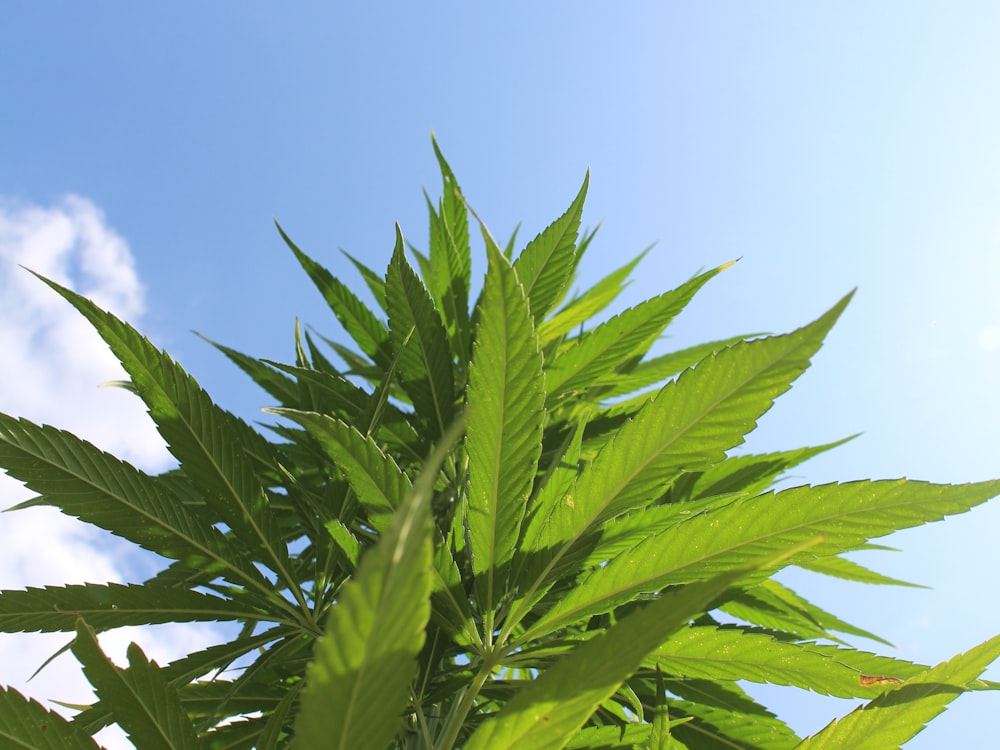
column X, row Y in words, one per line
column 53, row 363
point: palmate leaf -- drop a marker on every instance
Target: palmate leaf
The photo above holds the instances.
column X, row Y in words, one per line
column 689, row 425
column 506, row 413
column 771, row 605
column 83, row 481
column 545, row 266
column 143, row 703
column 416, row 332
column 901, row 712
column 214, row 447
column 376, row 479
column 596, row 357
column 375, row 283
column 650, row 372
column 360, row 322
column 733, row 654
column 659, row 734
column 27, row 725
column 277, row 385
column 587, row 305
column 339, row 397
column 546, row 714
column 713, row 727
column 113, row 605
column 358, row 684
column 846, row 515
column 448, row 269
column 750, row 474
column 840, row 567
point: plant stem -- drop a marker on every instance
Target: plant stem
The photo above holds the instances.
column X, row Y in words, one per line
column 457, row 718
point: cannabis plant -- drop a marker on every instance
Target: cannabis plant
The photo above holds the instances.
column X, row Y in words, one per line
column 501, row 524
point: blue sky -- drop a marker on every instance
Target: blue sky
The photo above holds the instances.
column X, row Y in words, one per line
column 830, row 145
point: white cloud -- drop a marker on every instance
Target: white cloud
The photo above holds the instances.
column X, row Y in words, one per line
column 53, row 363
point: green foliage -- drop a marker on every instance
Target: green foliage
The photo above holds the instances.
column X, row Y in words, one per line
column 497, row 526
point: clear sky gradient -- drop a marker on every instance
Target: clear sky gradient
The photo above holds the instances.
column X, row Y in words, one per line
column 146, row 149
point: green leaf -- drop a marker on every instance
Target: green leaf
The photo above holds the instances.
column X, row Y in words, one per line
column 652, row 371
column 546, row 714
column 688, row 426
column 114, row 605
column 277, row 385
column 733, row 654
column 902, row 711
column 776, row 607
column 846, row 515
column 506, row 413
column 27, row 725
column 591, row 302
column 376, row 479
column 449, row 265
column 215, row 448
column 358, row 684
column 375, row 283
column 83, row 481
column 545, row 266
column 597, row 356
column 659, row 735
column 721, row 716
column 141, row 700
column 360, row 322
column 416, row 330
column 273, row 736
column 749, row 474
column 840, row 567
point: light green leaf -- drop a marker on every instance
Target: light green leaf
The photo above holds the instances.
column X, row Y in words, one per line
column 689, row 425
column 649, row 372
column 28, row 725
column 358, row 684
column 902, row 711
column 215, row 448
column 545, row 266
column 361, row 323
column 546, row 714
column 721, row 716
column 840, row 567
column 416, row 331
column 749, row 474
column 587, row 305
column 846, row 515
column 596, row 356
column 113, row 605
column 776, row 607
column 141, row 700
column 732, row 654
column 506, row 412
column 94, row 486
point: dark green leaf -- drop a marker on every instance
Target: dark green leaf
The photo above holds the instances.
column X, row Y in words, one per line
column 113, row 605
column 27, row 725
column 416, row 331
column 141, row 700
